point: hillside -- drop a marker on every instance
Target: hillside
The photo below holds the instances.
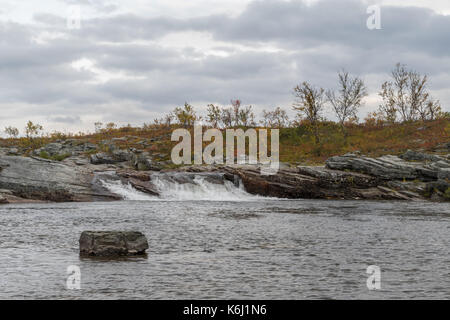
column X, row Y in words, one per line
column 297, row 145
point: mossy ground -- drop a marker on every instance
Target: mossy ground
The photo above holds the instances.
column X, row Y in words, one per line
column 297, row 145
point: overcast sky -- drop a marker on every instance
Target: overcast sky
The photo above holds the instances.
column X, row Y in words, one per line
column 131, row 61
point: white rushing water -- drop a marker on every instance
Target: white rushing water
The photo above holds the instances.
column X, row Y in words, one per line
column 126, row 191
column 198, row 188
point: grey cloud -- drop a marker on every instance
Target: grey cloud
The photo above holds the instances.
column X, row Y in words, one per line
column 313, row 42
column 65, row 119
column 99, row 5
column 293, row 24
column 50, row 19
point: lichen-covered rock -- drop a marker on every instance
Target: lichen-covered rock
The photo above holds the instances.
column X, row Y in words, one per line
column 143, row 162
column 103, row 158
column 112, row 243
column 13, row 151
column 411, row 155
column 444, row 174
column 70, row 147
column 115, row 156
column 121, row 155
column 438, row 190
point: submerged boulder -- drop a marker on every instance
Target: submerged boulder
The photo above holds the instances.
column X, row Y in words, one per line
column 112, row 243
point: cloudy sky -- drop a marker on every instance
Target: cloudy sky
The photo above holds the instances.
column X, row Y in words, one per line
column 131, row 61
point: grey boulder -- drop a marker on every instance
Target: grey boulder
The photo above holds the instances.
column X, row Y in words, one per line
column 411, row 155
column 115, row 156
column 143, row 162
column 112, row 243
column 102, row 158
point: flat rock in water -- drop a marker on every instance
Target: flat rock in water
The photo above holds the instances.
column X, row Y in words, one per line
column 112, row 243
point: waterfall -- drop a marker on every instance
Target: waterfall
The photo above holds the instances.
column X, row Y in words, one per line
column 125, row 190
column 180, row 186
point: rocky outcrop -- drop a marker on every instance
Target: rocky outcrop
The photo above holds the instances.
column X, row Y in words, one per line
column 112, row 243
column 69, row 147
column 411, row 155
column 40, row 179
column 317, row 183
column 103, row 158
column 349, row 177
column 389, row 167
column 139, row 180
column 430, row 172
column 411, row 176
column 6, row 196
column 142, row 161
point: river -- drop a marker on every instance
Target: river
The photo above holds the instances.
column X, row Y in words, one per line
column 247, row 248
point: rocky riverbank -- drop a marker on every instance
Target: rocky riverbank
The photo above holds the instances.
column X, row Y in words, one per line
column 72, row 171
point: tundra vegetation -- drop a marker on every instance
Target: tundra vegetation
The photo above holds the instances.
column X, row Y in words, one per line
column 407, row 118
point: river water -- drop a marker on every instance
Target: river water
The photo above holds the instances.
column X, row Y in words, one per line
column 252, row 248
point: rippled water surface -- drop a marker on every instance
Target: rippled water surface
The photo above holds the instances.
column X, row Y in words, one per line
column 264, row 249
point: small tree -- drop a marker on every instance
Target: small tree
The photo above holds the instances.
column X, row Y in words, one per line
column 418, row 97
column 98, row 126
column 433, row 111
column 168, row 118
column 110, row 126
column 388, row 108
column 12, row 132
column 226, row 117
column 429, row 110
column 157, row 122
column 32, row 129
column 236, row 105
column 186, row 116
column 275, row 119
column 348, row 100
column 265, row 121
column 407, row 95
column 238, row 115
column 309, row 103
column 246, row 117
column 213, row 115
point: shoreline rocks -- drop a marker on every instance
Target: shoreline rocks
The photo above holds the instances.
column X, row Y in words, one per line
column 320, row 183
column 112, row 243
column 45, row 180
column 411, row 176
column 429, row 174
